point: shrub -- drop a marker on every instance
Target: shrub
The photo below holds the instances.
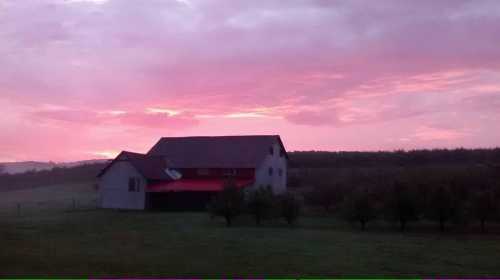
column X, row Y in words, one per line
column 360, row 206
column 290, row 206
column 228, row 203
column 260, row 203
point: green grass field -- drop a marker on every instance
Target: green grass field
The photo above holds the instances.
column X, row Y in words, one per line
column 87, row 242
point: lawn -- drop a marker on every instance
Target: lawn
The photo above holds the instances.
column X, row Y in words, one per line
column 108, row 243
column 89, row 242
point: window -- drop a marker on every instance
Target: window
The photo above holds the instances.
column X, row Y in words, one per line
column 203, row 171
column 271, row 150
column 230, row 172
column 280, row 172
column 271, row 171
column 134, row 184
column 131, row 184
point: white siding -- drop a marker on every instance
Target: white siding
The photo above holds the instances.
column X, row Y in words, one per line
column 262, row 177
column 113, row 187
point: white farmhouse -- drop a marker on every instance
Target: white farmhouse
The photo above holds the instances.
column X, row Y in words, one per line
column 182, row 173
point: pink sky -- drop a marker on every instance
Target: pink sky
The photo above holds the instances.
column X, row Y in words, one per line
column 85, row 79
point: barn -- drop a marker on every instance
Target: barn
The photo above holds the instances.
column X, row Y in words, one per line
column 183, row 173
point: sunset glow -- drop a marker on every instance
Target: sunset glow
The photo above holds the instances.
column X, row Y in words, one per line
column 87, row 79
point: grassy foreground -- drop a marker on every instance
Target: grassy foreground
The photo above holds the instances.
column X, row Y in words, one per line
column 51, row 237
column 108, row 243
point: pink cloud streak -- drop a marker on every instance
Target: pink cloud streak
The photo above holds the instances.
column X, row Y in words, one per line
column 324, row 74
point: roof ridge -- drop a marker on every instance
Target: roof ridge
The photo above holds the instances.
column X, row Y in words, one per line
column 221, row 136
column 141, row 154
column 129, row 152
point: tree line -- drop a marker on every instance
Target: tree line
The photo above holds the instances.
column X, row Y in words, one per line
column 445, row 195
column 322, row 159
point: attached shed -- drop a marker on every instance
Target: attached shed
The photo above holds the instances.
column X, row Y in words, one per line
column 123, row 182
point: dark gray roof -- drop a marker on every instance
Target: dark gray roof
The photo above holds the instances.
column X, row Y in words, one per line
column 215, row 151
column 151, row 167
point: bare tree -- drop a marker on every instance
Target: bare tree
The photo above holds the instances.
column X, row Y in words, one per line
column 484, row 207
column 401, row 205
column 442, row 206
column 290, row 207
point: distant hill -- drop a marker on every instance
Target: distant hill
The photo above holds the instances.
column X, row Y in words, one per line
column 85, row 172
column 25, row 166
